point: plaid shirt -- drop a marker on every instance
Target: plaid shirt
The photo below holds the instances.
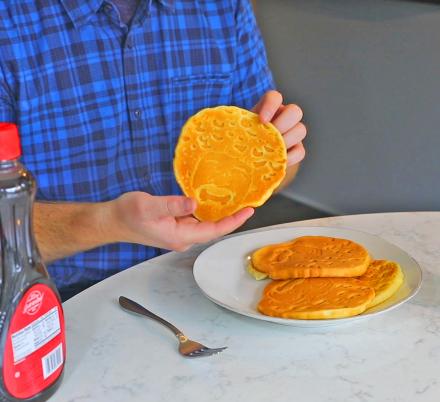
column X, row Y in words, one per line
column 100, row 105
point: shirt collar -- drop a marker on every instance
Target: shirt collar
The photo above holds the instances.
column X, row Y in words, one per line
column 80, row 11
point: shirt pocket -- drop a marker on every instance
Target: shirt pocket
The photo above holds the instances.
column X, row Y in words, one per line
column 195, row 92
column 192, row 93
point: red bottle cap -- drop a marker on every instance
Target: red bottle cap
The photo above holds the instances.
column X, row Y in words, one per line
column 9, row 142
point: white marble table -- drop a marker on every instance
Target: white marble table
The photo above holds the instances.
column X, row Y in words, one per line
column 121, row 357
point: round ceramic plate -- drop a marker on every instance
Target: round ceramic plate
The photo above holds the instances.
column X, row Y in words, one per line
column 220, row 271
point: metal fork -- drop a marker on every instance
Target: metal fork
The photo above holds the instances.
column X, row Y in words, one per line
column 187, row 347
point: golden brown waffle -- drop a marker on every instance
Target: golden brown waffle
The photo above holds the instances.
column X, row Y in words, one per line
column 227, row 160
column 385, row 277
column 312, row 256
column 315, row 298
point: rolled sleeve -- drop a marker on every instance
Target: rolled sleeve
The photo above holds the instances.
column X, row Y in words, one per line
column 252, row 77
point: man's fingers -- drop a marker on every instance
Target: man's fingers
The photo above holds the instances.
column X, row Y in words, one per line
column 268, row 105
column 230, row 223
column 187, row 220
column 295, row 135
column 202, row 232
column 295, row 154
column 288, row 118
column 172, row 206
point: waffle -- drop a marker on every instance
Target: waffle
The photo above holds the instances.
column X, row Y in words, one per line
column 311, row 256
column 226, row 159
column 385, row 277
column 315, row 298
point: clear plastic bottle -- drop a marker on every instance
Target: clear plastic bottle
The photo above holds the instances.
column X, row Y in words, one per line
column 32, row 335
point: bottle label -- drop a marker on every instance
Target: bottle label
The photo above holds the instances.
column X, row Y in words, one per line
column 35, row 347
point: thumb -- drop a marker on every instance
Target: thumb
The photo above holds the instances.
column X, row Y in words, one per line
column 173, row 205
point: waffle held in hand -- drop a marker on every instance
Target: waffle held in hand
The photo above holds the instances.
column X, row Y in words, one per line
column 226, row 159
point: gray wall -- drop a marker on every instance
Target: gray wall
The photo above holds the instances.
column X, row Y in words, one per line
column 367, row 75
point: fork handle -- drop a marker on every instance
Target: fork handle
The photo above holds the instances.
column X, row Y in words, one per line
column 131, row 305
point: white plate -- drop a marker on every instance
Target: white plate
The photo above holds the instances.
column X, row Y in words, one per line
column 220, row 271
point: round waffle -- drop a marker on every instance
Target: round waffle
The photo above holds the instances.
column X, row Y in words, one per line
column 227, row 159
column 315, row 298
column 385, row 277
column 312, row 256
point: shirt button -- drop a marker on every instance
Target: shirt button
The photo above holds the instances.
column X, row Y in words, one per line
column 137, row 113
column 108, row 8
column 130, row 43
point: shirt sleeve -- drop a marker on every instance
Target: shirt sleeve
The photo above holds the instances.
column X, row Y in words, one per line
column 252, row 76
column 7, row 109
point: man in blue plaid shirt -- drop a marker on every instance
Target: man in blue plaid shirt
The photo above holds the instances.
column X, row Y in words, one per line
column 100, row 90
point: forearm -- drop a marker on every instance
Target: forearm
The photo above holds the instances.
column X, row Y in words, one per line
column 62, row 229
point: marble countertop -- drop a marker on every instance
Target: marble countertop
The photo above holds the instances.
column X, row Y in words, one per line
column 114, row 356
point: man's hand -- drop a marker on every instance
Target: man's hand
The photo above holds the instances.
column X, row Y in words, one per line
column 63, row 229
column 287, row 119
column 166, row 221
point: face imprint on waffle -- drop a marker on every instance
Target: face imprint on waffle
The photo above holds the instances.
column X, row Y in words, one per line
column 218, row 179
column 227, row 159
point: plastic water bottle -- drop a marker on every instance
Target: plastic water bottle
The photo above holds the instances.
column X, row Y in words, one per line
column 32, row 335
